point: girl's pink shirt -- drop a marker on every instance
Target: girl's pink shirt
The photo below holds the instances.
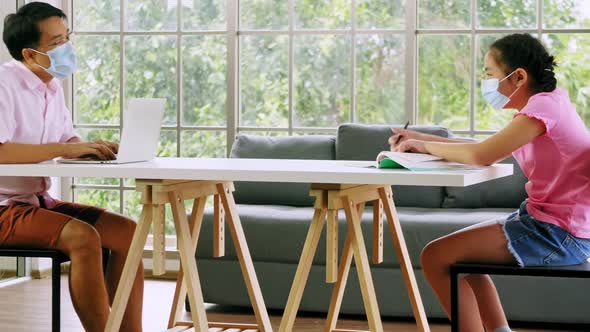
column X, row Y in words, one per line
column 557, row 164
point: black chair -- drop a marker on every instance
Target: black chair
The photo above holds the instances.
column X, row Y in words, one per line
column 57, row 257
column 573, row 271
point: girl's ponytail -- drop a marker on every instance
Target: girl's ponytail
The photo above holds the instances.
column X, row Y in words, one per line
column 547, row 80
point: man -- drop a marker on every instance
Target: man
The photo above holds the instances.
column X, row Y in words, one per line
column 36, row 126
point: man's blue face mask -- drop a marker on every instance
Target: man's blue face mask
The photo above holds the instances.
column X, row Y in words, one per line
column 489, row 91
column 63, row 61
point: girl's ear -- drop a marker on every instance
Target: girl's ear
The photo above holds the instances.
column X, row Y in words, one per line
column 521, row 77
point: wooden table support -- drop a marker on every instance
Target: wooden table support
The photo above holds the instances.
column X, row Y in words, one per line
column 202, row 179
column 155, row 195
column 352, row 198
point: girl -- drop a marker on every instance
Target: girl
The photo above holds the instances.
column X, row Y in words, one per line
column 551, row 144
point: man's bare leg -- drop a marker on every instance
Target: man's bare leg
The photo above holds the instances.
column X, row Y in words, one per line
column 82, row 244
column 116, row 233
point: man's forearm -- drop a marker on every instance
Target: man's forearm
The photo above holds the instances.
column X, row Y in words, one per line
column 14, row 153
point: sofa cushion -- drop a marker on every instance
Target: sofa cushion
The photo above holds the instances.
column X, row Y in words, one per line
column 506, row 192
column 277, row 233
column 282, row 147
column 364, row 142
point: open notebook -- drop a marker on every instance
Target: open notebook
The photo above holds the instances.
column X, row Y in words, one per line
column 417, row 162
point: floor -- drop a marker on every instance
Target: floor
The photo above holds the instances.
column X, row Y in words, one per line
column 26, row 307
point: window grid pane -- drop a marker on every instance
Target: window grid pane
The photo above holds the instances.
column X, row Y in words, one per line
column 264, row 86
column 443, row 80
column 93, row 15
column 514, row 14
column 96, row 82
column 573, row 72
column 451, row 14
column 380, row 14
column 204, row 69
column 322, row 14
column 566, row 14
column 380, row 89
column 264, row 14
column 322, row 80
column 321, row 60
column 150, row 15
column 150, row 70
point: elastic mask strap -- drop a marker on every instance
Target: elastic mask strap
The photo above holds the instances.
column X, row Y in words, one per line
column 514, row 71
column 515, row 91
column 36, row 63
column 34, row 50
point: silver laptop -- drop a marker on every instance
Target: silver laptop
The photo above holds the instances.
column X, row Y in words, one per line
column 141, row 133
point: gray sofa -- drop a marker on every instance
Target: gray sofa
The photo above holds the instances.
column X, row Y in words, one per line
column 276, row 218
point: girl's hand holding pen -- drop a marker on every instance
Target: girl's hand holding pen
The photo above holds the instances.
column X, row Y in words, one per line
column 411, row 145
column 402, row 135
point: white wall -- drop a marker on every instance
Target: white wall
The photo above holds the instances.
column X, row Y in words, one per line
column 56, row 3
column 7, row 264
column 6, row 7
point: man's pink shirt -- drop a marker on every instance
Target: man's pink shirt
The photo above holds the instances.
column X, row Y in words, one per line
column 31, row 112
column 557, row 164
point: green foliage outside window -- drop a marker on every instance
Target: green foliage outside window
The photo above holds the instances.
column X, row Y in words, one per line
column 322, row 73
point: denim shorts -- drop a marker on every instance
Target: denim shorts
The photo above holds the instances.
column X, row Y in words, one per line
column 536, row 243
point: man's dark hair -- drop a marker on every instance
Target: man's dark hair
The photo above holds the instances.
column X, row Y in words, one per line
column 21, row 30
column 527, row 52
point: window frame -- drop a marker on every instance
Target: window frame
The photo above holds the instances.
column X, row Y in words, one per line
column 410, row 34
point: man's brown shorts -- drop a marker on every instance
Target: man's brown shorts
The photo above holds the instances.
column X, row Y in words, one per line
column 25, row 225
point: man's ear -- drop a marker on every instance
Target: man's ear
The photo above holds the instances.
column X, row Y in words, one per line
column 27, row 54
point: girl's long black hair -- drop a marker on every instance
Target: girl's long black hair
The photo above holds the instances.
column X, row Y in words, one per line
column 527, row 52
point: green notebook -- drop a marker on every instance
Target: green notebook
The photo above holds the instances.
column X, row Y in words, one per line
column 417, row 162
column 389, row 159
column 389, row 163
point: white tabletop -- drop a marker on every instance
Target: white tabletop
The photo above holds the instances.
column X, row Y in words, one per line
column 265, row 170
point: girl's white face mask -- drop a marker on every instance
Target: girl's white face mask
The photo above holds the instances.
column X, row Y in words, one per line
column 489, row 91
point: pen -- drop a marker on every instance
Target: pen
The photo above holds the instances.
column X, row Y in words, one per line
column 400, row 136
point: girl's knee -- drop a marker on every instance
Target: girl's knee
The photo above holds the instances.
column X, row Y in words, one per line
column 437, row 254
column 431, row 254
